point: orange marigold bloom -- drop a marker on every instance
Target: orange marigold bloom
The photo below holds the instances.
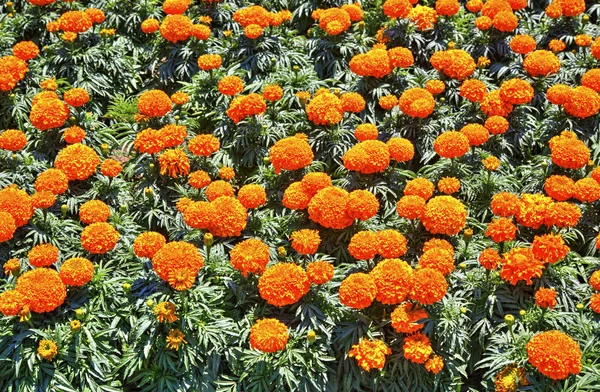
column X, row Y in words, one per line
column 17, row 203
column 558, row 94
column 595, row 303
column 491, row 163
column 586, row 190
column 227, row 173
column 99, row 238
column 175, row 256
column 358, row 290
column 591, row 79
column 295, row 197
column 435, row 87
column 505, row 204
column 204, row 145
column 521, row 264
column 474, row 6
column 572, row 7
column 26, row 50
column 76, row 97
column 148, row 141
column 438, row 259
column 501, row 230
column 367, row 157
column 176, row 28
column 550, row 248
column 417, row 348
column 454, row 63
column 154, row 103
column 362, row 205
column 11, row 302
column 175, row 6
column 208, row 62
column 532, row 210
column 492, row 7
column 375, row 63
column 314, row 182
column 328, row 207
column 523, row 44
column 448, row 185
column 474, row 90
column 562, row 215
column 451, row 144
column 290, row 153
column 559, row 187
column 516, row 91
column 493, row 105
column 424, row 17
column 334, row 21
column 13, row 140
column 370, row 354
column 429, row 286
column 402, row 150
column 244, row 106
column 250, row 256
column 52, row 180
column 444, row 215
column 229, row 217
column 252, row 196
column 172, row 135
column 388, row 102
column 283, row 284
column 545, row 298
column 268, row 335
column 406, row 316
column 483, row 23
column 74, row 134
column 272, row 92
column 48, row 113
column 438, row 243
column 230, row 85
column 434, row 364
column 419, row 187
column 305, row 241
column 180, row 98
column 111, row 167
column 541, row 63
column 95, row 14
column 411, row 207
column 76, row 271
column 43, row 255
column 595, row 280
column 391, row 244
column 476, row 133
column 595, row 48
column 556, row 45
column 447, row 7
column 554, row 354
column 582, row 102
column 400, row 57
column 366, row 132
column 165, row 311
column 496, row 125
column 506, row 21
column 198, row 215
column 490, row 259
column 148, row 243
column 182, row 279
column 150, row 26
column 174, row 163
column 583, row 40
column 42, row 288
column 397, row 8
column 325, row 109
column 94, row 211
column 352, row 102
column 319, row 272
column 75, row 22
column 11, row 266
column 393, row 279
column 364, row 245
column 416, row 102
column 43, row 199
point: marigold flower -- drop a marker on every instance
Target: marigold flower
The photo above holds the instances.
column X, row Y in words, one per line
column 366, row 132
column 489, row 259
column 545, row 298
column 18, row 204
column 562, row 215
column 174, row 163
column 419, row 187
column 283, row 284
column 268, row 335
column 75, row 22
column 454, row 63
column 586, row 190
column 572, row 7
column 48, row 113
column 533, row 210
column 148, row 141
column 483, row 23
column 476, row 133
column 417, row 348
column 244, row 106
column 182, row 279
column 434, row 364
column 400, row 57
column 176, row 28
column 43, row 255
column 444, row 215
column 172, row 135
column 406, row 316
column 305, row 241
column 509, row 378
column 26, row 50
column 451, row 144
column 541, row 63
column 447, row 7
column 252, row 196
column 199, row 214
column 435, row 87
column 505, row 204
column 94, row 211
column 362, row 205
column 402, row 150
column 328, row 207
column 583, row 40
column 375, row 63
column 208, row 62
column 42, row 288
column 516, row 91
column 148, row 243
column 11, row 302
column 52, row 180
column 595, row 303
column 290, row 153
column 448, row 185
column 474, row 5
column 175, row 256
column 229, row 217
column 521, row 264
column 99, row 238
column 74, row 134
column 364, row 245
column 501, row 230
column 175, row 6
column 416, row 102
column 438, row 259
column 358, row 290
column 367, row 157
column 370, row 354
column 47, row 349
column 150, row 26
column 76, row 97
column 295, row 197
column 391, row 244
column 319, row 272
column 506, row 21
column 352, row 102
column 165, row 312
column 204, row 145
column 13, row 140
column 76, row 271
column 230, row 85
column 523, row 44
column 582, row 102
column 11, row 266
column 550, row 248
column 7, row 226
column 493, row 105
column 219, row 188
column 411, row 207
column 491, row 163
column 559, row 187
column 397, row 8
column 388, row 102
column 474, row 90
column 496, row 125
column 272, row 92
column 554, row 354
column 174, row 339
column 423, row 17
column 429, row 286
column 154, row 103
column 325, row 109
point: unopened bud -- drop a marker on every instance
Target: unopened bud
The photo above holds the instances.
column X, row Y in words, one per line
column 266, row 160
column 462, row 266
column 208, row 239
column 126, row 287
column 79, row 314
column 464, row 310
column 509, row 319
column 75, row 325
column 451, row 45
column 150, row 303
column 123, row 208
column 104, row 148
column 64, row 209
column 281, row 252
column 468, row 234
column 579, row 306
column 148, row 191
column 311, row 336
column 522, row 312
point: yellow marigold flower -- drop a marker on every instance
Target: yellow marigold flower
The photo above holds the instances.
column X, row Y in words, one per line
column 47, row 349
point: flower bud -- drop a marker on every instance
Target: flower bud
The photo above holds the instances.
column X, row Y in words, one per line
column 462, row 266
column 509, row 319
column 295, row 68
column 586, row 18
column 579, row 306
column 148, row 191
column 150, row 303
column 176, row 118
column 208, row 239
column 126, row 287
column 464, row 310
column 64, row 209
column 151, row 166
column 79, row 313
column 544, row 164
column 281, row 252
column 451, row 45
column 442, row 99
column 104, row 148
column 75, row 325
column 266, row 160
column 311, row 336
column 468, row 234
column 72, row 118
column 522, row 312
column 123, row 208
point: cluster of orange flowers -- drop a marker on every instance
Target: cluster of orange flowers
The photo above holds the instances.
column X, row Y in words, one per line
column 423, row 17
column 176, row 27
column 379, row 62
column 254, row 19
column 75, row 22
column 337, row 20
